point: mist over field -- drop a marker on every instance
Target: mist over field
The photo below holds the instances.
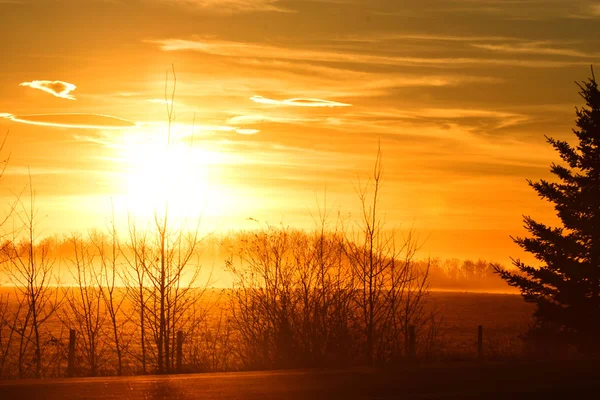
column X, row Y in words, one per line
column 216, row 249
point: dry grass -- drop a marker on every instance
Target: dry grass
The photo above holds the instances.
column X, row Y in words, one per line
column 504, row 317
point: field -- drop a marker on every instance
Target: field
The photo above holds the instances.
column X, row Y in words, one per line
column 503, row 316
column 458, row 314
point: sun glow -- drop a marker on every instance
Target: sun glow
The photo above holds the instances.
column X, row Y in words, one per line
column 180, row 175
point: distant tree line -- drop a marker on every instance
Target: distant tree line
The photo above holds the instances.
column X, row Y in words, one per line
column 456, row 274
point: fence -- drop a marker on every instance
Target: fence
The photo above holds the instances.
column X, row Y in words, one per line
column 411, row 349
column 72, row 349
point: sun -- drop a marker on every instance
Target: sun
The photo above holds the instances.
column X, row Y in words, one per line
column 159, row 176
column 178, row 175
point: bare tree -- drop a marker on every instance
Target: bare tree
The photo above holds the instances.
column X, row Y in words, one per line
column 111, row 272
column 262, row 299
column 290, row 304
column 30, row 269
column 85, row 312
column 163, row 273
column 172, row 271
column 10, row 309
column 325, row 283
column 12, row 206
column 166, row 271
column 390, row 290
column 138, row 253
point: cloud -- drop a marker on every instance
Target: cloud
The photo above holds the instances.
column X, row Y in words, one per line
column 479, row 119
column 214, row 128
column 225, row 128
column 56, row 88
column 160, row 101
column 299, row 102
column 419, row 127
column 531, row 10
column 321, row 82
column 460, row 113
column 239, row 50
column 21, row 170
column 82, row 121
column 260, row 119
column 247, row 131
column 533, row 48
column 231, row 6
column 452, row 38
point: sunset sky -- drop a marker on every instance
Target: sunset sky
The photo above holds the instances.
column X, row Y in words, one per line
column 278, row 102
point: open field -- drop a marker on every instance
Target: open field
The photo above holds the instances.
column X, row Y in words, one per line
column 503, row 316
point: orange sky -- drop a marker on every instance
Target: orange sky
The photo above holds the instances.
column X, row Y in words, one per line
column 290, row 99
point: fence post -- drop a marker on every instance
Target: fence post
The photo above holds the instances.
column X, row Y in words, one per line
column 480, row 342
column 179, row 350
column 412, row 348
column 71, row 360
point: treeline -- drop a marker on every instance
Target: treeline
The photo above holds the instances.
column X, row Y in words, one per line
column 455, row 274
column 216, row 248
column 299, row 299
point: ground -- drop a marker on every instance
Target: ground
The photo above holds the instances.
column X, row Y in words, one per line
column 543, row 380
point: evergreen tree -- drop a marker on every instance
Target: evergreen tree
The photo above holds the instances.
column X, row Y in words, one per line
column 566, row 286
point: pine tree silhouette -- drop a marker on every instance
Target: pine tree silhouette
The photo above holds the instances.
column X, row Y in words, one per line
column 566, row 287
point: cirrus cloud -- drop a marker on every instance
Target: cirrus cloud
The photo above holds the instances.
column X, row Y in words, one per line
column 81, row 121
column 56, row 88
column 247, row 131
column 299, row 102
column 232, row 6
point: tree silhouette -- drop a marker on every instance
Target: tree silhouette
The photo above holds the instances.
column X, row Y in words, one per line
column 566, row 287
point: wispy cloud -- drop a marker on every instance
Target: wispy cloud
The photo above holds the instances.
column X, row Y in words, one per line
column 81, row 121
column 299, row 102
column 56, row 88
column 352, row 56
column 259, row 119
column 542, row 48
column 427, row 126
column 481, row 120
column 459, row 113
column 423, row 37
column 529, row 10
column 591, row 12
column 160, row 101
column 231, row 6
column 285, row 79
column 247, row 131
column 25, row 171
